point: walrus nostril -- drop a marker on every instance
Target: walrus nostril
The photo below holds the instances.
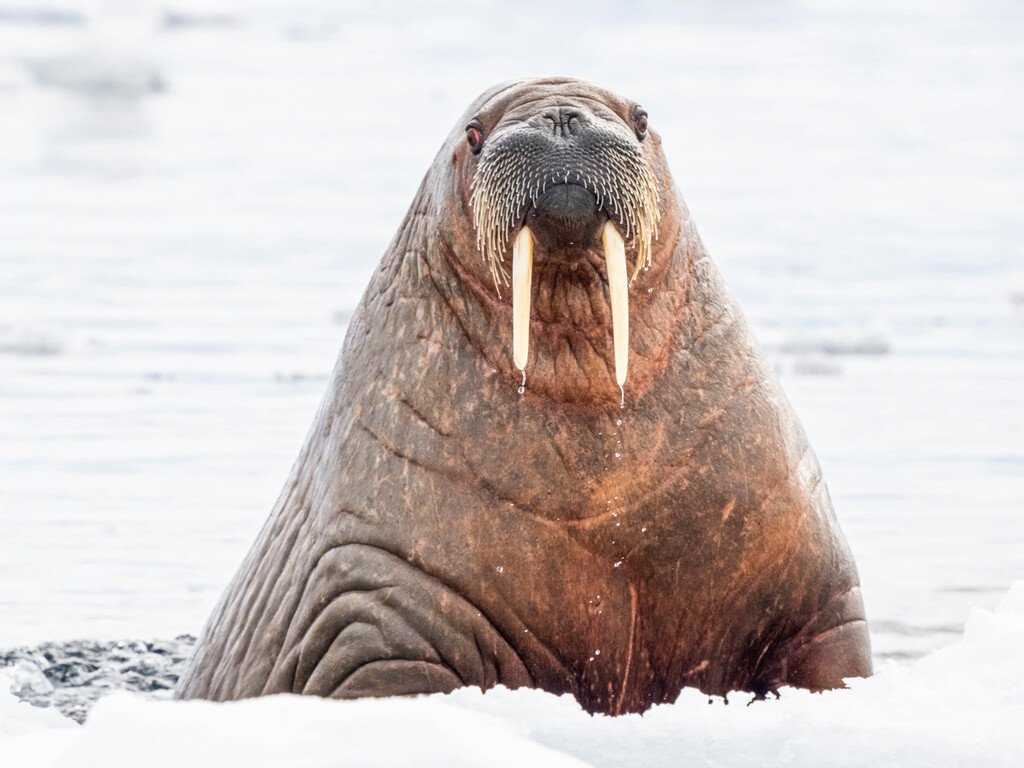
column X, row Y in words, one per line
column 566, row 215
column 564, row 122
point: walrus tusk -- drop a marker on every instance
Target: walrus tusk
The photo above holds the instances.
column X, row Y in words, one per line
column 618, row 292
column 522, row 280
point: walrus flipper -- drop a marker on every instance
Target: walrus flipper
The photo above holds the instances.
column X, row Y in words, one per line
column 834, row 646
column 368, row 623
column 372, row 624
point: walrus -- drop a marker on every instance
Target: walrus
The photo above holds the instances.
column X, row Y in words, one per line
column 549, row 454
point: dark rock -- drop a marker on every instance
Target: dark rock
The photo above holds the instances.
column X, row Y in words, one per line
column 73, row 676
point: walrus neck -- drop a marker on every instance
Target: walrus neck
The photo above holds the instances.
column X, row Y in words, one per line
column 572, row 358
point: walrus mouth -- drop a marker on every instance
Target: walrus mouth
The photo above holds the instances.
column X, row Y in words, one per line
column 515, row 172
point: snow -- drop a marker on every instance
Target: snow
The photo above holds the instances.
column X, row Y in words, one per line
column 960, row 706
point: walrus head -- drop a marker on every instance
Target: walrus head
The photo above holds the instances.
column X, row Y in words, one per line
column 567, row 199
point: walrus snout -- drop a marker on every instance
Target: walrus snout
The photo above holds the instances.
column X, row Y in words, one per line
column 565, row 180
column 566, row 216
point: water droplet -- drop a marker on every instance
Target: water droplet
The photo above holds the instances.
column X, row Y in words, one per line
column 616, row 564
column 644, row 529
column 500, row 569
column 597, row 652
column 618, row 422
column 618, row 455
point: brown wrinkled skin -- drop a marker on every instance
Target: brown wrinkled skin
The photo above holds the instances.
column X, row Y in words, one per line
column 440, row 530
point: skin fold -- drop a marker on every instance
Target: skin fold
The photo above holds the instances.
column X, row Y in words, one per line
column 439, row 529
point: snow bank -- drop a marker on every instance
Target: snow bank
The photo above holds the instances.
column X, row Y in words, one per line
column 962, row 705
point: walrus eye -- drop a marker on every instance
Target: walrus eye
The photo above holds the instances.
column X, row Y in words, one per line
column 640, row 122
column 475, row 137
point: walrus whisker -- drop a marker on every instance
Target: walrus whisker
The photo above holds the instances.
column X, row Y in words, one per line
column 507, row 181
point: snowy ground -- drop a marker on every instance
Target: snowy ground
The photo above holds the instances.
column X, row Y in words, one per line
column 193, row 194
column 960, row 706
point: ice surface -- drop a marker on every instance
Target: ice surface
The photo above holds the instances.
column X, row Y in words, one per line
column 959, row 706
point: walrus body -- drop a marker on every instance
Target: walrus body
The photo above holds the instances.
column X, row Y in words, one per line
column 444, row 527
